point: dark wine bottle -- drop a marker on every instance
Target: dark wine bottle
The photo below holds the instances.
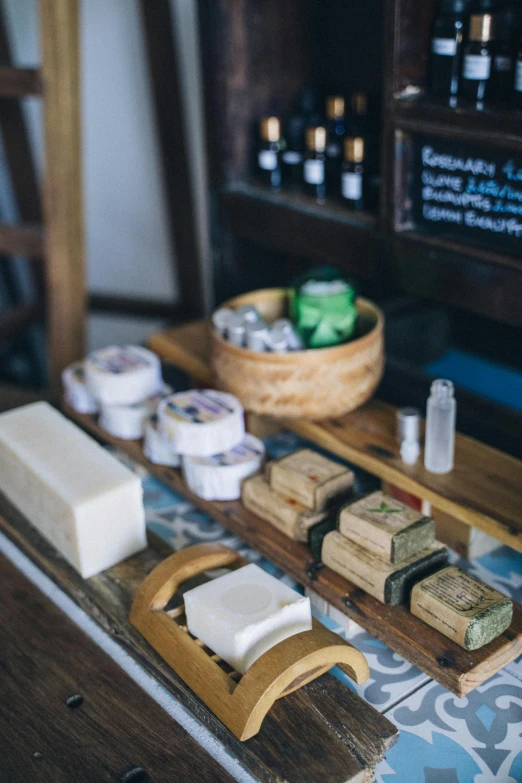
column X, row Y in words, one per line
column 352, row 174
column 314, row 163
column 271, row 145
column 476, row 63
column 448, row 35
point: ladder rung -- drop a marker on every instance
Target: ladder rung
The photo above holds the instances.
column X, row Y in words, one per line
column 14, row 319
column 21, row 240
column 17, row 82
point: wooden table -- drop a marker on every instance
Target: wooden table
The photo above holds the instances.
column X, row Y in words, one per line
column 115, row 730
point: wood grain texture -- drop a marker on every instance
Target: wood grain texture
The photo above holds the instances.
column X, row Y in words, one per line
column 458, row 670
column 63, row 185
column 483, row 490
column 45, row 659
column 296, row 742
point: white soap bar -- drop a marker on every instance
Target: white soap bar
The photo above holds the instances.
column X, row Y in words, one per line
column 243, row 614
column 201, row 422
column 128, row 421
column 156, row 448
column 122, row 375
column 219, row 477
column 77, row 395
column 80, row 497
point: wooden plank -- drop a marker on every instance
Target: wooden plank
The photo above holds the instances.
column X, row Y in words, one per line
column 19, row 82
column 25, row 240
column 299, row 739
column 63, row 185
column 174, row 143
column 458, row 670
column 483, row 490
column 116, row 728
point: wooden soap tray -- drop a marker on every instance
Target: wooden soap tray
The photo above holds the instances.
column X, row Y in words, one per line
column 240, row 701
column 458, row 670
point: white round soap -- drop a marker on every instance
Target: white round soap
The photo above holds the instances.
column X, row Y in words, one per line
column 219, row 477
column 201, row 422
column 156, row 448
column 77, row 395
column 122, row 375
column 128, row 421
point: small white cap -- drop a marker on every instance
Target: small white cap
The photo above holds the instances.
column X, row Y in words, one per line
column 408, row 424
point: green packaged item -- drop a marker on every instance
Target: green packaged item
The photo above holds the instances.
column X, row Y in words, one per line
column 322, row 307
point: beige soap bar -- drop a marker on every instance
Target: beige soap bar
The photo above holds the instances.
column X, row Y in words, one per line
column 389, row 583
column 309, row 478
column 385, row 526
column 80, row 497
column 287, row 515
column 461, row 607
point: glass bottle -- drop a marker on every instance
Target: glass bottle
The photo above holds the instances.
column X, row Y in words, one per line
column 335, row 131
column 292, row 157
column 476, row 63
column 447, row 39
column 314, row 164
column 503, row 65
column 358, row 123
column 352, row 174
column 441, row 412
column 517, row 94
column 271, row 145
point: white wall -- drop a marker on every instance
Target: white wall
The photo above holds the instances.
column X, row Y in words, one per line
column 128, row 245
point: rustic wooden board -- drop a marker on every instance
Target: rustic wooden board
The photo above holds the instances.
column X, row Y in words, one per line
column 46, row 659
column 458, row 670
column 323, row 733
column 483, row 490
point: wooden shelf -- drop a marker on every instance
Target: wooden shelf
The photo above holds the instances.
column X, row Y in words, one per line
column 501, row 126
column 293, row 223
column 458, row 670
column 483, row 490
column 338, row 732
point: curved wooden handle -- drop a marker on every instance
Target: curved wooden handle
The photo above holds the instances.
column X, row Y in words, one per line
column 161, row 584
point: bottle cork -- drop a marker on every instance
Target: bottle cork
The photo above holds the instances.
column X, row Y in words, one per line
column 385, row 526
column 461, row 607
column 388, row 582
column 310, row 478
column 286, row 514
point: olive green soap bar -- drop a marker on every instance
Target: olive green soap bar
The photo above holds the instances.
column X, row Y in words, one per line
column 388, row 582
column 461, row 607
column 310, row 478
column 385, row 526
column 286, row 514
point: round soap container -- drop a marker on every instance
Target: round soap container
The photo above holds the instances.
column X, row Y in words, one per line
column 318, row 383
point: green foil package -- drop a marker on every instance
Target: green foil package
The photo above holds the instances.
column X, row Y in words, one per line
column 322, row 307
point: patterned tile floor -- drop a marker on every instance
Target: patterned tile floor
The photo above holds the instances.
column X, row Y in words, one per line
column 444, row 739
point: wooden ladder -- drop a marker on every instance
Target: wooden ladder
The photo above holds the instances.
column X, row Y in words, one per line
column 51, row 239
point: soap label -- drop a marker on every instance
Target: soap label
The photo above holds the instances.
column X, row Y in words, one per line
column 351, row 184
column 199, row 407
column 244, row 452
column 286, row 514
column 267, row 160
column 518, row 76
column 447, row 47
column 476, row 67
column 314, row 172
column 309, row 478
column 118, row 360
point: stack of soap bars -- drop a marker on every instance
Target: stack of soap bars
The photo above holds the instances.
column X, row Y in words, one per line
column 299, row 495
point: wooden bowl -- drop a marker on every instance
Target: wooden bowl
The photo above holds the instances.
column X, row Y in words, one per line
column 319, row 383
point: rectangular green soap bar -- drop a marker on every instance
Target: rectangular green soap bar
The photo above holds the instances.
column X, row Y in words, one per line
column 385, row 526
column 461, row 607
column 388, row 582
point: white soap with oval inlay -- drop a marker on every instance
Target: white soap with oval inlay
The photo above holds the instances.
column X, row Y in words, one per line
column 243, row 614
column 122, row 374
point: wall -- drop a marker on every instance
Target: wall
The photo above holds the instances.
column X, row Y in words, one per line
column 128, row 244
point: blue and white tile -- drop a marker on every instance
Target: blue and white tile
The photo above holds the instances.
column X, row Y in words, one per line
column 444, row 739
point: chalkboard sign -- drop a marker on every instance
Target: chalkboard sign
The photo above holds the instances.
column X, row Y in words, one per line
column 466, row 192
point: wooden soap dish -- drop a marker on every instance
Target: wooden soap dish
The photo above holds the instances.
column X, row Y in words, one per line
column 239, row 701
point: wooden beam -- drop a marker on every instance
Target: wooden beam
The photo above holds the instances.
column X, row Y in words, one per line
column 63, row 185
column 19, row 82
column 174, row 142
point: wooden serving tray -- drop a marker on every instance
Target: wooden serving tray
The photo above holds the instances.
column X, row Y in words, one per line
column 458, row 670
column 483, row 490
column 321, row 733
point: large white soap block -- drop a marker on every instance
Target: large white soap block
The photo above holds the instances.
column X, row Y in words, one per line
column 245, row 613
column 80, row 497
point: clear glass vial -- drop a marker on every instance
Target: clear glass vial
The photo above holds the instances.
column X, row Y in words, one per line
column 441, row 412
